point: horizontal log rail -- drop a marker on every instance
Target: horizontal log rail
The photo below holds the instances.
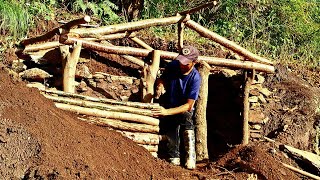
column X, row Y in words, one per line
column 101, row 106
column 131, row 26
column 109, row 114
column 42, row 46
column 102, row 100
column 168, row 55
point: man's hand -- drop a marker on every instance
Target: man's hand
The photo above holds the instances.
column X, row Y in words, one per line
column 159, row 111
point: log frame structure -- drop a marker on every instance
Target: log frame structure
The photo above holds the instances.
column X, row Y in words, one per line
column 91, row 38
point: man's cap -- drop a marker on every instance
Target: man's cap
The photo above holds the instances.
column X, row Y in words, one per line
column 188, row 54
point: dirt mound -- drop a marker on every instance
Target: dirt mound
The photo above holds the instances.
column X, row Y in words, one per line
column 255, row 159
column 41, row 141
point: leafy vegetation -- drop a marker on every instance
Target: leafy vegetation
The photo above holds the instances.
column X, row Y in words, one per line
column 277, row 29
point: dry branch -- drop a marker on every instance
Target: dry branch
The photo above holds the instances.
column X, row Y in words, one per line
column 125, row 126
column 109, row 114
column 101, row 106
column 131, row 26
column 143, row 138
column 213, row 3
column 55, row 31
column 110, row 36
column 69, row 70
column 200, row 114
column 141, row 43
column 102, row 100
column 42, row 46
column 225, row 42
column 168, row 55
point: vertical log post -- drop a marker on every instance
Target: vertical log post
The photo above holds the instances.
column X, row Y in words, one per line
column 200, row 114
column 180, row 35
column 248, row 78
column 149, row 77
column 70, row 69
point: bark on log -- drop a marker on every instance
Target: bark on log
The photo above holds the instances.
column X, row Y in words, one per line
column 150, row 148
column 200, row 114
column 245, row 124
column 55, row 31
column 109, row 114
column 141, row 43
column 150, row 75
column 131, row 26
column 231, row 63
column 42, row 46
column 142, row 138
column 225, row 42
column 101, row 106
column 130, row 58
column 69, row 70
column 124, row 126
column 111, row 36
column 102, row 100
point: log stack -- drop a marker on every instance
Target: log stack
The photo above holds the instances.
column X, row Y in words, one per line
column 132, row 119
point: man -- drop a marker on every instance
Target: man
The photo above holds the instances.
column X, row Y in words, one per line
column 180, row 84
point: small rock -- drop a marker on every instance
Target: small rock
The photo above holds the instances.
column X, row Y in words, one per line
column 256, row 127
column 35, row 74
column 262, row 99
column 265, row 92
column 255, row 135
column 18, row 66
column 83, row 72
column 124, row 98
column 253, row 99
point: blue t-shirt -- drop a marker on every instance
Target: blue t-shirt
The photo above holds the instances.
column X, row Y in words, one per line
column 180, row 88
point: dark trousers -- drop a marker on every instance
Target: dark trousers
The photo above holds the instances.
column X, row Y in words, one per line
column 172, row 127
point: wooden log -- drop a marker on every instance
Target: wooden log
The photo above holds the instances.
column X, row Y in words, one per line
column 150, row 75
column 102, row 100
column 83, row 25
column 69, row 70
column 130, row 58
column 42, row 46
column 141, row 43
column 200, row 114
column 225, row 42
column 198, row 8
column 131, row 26
column 55, row 31
column 109, row 114
column 180, row 35
column 143, row 138
column 154, row 154
column 231, row 63
column 301, row 171
column 312, row 160
column 111, row 36
column 249, row 76
column 150, row 148
column 98, row 105
column 121, row 125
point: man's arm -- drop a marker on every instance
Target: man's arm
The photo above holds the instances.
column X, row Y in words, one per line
column 161, row 111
